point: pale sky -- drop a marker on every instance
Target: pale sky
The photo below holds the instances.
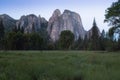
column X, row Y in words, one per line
column 87, row 9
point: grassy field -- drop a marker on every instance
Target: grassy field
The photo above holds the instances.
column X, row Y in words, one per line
column 59, row 65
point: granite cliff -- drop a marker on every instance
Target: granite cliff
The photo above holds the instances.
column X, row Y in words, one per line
column 8, row 22
column 31, row 23
column 67, row 21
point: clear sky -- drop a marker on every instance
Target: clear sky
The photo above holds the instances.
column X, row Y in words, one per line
column 88, row 9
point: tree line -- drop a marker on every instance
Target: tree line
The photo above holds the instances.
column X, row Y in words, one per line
column 18, row 40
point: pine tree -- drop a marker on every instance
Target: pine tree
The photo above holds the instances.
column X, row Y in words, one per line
column 94, row 40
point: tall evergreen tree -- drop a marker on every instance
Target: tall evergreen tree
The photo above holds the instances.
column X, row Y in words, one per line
column 94, row 40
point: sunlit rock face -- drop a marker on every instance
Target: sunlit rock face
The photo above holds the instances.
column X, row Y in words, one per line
column 67, row 21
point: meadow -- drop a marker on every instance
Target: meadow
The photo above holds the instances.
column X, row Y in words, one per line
column 59, row 65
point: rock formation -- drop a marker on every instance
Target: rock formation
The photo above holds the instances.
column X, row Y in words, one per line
column 67, row 21
column 59, row 22
column 8, row 22
column 30, row 23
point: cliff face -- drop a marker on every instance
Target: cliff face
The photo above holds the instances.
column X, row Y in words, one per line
column 8, row 22
column 30, row 23
column 67, row 21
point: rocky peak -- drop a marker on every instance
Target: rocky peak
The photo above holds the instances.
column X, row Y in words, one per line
column 8, row 22
column 4, row 16
column 56, row 13
column 67, row 21
column 30, row 22
column 68, row 12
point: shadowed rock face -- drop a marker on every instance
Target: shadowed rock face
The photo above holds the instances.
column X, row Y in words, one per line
column 67, row 21
column 8, row 22
column 30, row 23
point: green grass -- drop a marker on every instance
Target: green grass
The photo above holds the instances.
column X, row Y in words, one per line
column 59, row 65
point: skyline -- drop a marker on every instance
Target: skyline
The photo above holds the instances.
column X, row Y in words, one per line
column 85, row 8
